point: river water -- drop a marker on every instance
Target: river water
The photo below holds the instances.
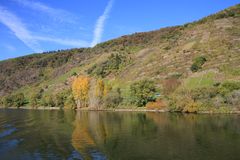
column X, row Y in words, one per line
column 52, row 134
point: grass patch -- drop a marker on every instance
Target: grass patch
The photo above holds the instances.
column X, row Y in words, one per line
column 205, row 80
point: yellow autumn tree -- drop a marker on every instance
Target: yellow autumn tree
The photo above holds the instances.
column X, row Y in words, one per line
column 80, row 89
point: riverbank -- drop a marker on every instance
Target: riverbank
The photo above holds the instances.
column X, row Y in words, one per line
column 91, row 109
column 157, row 111
column 122, row 110
column 33, row 108
column 135, row 109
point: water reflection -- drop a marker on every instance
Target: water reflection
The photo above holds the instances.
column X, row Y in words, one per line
column 82, row 138
column 156, row 136
column 124, row 135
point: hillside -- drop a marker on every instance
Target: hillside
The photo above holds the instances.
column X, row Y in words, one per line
column 183, row 62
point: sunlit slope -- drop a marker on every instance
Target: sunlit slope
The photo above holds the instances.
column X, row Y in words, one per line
column 155, row 55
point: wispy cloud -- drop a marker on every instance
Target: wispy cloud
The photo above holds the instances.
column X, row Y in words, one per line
column 57, row 14
column 99, row 27
column 19, row 29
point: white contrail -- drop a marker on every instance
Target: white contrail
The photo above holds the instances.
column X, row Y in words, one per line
column 99, row 27
column 57, row 14
column 19, row 29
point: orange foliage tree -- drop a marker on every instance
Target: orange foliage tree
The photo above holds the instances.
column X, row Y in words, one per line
column 80, row 89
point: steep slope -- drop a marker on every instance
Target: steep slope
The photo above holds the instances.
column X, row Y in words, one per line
column 158, row 55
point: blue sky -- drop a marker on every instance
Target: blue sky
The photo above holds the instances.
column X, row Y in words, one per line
column 30, row 26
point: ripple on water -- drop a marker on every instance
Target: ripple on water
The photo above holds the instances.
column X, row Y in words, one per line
column 7, row 132
column 8, row 145
column 96, row 155
column 75, row 155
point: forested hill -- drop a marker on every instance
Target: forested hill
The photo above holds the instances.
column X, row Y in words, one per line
column 174, row 58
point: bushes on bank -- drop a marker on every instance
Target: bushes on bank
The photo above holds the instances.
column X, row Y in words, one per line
column 170, row 85
column 70, row 102
column 233, row 98
column 216, row 98
column 157, row 105
column 113, row 98
column 191, row 107
column 47, row 101
column 16, row 100
column 142, row 92
column 204, row 93
column 36, row 97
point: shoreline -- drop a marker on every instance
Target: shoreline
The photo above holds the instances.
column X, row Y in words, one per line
column 121, row 110
column 32, row 108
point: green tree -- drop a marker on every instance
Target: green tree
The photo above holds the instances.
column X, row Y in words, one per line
column 142, row 92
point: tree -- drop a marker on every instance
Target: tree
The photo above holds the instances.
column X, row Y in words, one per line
column 80, row 90
column 142, row 92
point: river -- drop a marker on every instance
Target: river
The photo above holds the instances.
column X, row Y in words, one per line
column 55, row 134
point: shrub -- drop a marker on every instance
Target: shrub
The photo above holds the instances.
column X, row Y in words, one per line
column 194, row 67
column 65, row 99
column 70, row 102
column 114, row 63
column 157, row 105
column 8, row 101
column 197, row 64
column 191, row 107
column 113, row 98
column 228, row 87
column 233, row 98
column 142, row 92
column 74, row 74
column 184, row 103
column 60, row 99
column 170, row 85
column 1, row 102
column 36, row 97
column 231, row 86
column 205, row 93
column 91, row 69
column 16, row 100
column 48, row 101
